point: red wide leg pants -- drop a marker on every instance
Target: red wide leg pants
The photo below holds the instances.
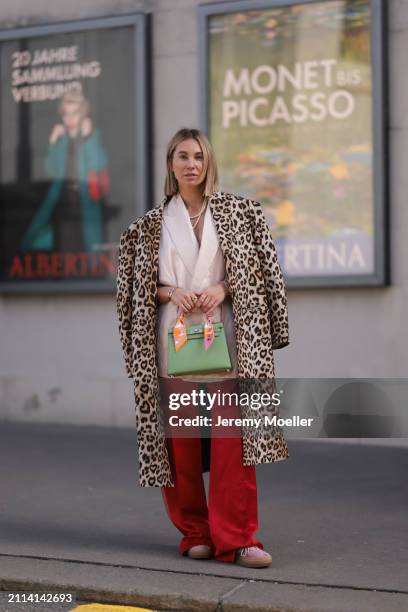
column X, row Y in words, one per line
column 230, row 519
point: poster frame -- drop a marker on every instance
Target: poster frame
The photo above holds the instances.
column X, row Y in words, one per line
column 381, row 275
column 141, row 23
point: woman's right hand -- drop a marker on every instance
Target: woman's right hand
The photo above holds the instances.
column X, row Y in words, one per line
column 57, row 131
column 185, row 300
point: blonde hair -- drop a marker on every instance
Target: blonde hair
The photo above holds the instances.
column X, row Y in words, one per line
column 209, row 166
column 74, row 97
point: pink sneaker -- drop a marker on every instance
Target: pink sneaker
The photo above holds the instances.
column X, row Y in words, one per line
column 200, row 551
column 253, row 556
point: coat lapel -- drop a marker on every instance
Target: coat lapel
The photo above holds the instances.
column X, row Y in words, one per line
column 178, row 224
column 207, row 252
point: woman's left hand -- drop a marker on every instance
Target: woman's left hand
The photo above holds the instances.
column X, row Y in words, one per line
column 211, row 298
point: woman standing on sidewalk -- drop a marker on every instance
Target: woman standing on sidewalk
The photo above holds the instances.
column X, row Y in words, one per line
column 200, row 253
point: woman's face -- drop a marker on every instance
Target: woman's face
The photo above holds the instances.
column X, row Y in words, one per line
column 188, row 163
column 71, row 115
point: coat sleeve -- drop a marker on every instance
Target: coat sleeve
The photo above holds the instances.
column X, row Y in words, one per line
column 274, row 282
column 124, row 294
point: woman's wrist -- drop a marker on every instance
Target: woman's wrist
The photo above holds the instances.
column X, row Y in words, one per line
column 163, row 291
column 170, row 293
column 226, row 287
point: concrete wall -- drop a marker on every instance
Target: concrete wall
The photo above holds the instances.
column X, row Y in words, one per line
column 60, row 356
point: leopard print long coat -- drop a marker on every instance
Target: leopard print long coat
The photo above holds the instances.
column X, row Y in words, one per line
column 259, row 303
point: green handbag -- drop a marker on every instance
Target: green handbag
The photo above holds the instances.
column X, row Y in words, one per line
column 192, row 358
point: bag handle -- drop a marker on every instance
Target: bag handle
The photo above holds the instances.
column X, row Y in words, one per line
column 180, row 330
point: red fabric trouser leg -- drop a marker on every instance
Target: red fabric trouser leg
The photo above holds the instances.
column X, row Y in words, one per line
column 231, row 518
column 232, row 499
column 186, row 503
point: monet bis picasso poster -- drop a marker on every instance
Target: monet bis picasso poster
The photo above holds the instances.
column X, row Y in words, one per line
column 294, row 103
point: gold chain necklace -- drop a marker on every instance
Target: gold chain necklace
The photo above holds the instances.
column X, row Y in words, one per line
column 199, row 212
column 198, row 215
column 194, row 225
